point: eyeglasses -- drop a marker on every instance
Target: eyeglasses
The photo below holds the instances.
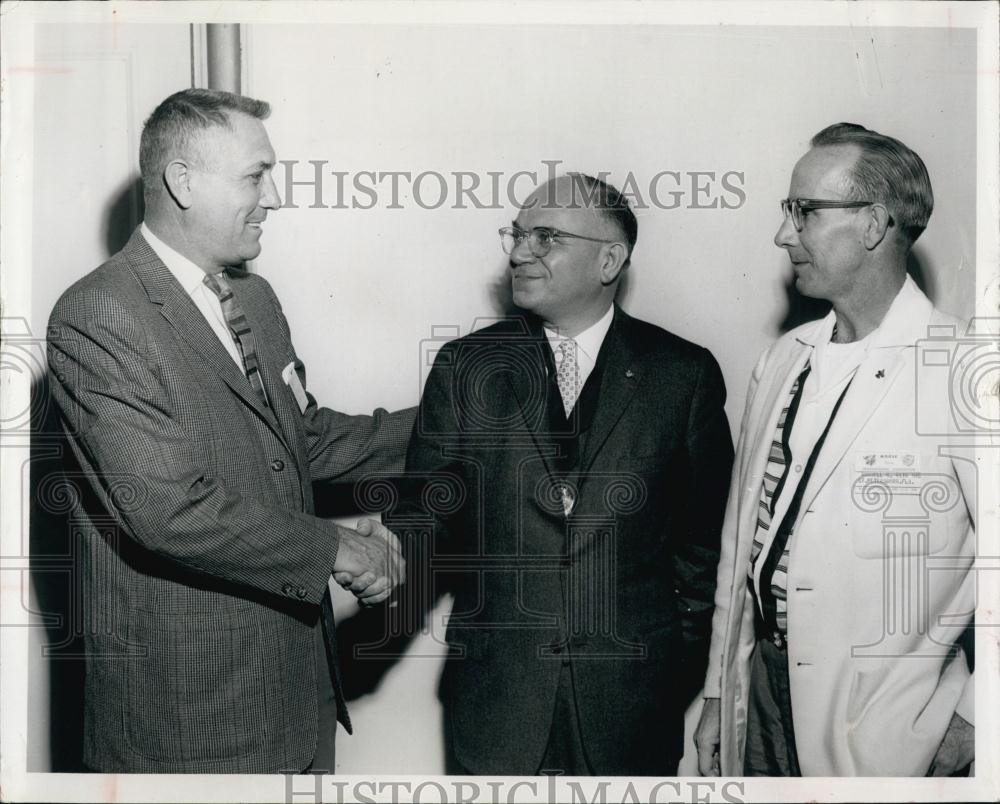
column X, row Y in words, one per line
column 540, row 239
column 798, row 207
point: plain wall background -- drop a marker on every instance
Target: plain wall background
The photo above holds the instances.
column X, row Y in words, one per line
column 363, row 289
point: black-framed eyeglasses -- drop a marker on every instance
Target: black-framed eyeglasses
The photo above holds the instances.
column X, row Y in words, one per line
column 796, row 208
column 540, row 239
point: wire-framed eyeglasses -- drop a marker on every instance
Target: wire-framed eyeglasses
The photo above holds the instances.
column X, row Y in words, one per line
column 540, row 239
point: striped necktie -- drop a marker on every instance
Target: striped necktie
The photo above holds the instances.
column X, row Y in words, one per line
column 773, row 602
column 240, row 329
column 775, row 475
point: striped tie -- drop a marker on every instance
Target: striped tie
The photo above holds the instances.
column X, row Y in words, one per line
column 775, row 474
column 240, row 329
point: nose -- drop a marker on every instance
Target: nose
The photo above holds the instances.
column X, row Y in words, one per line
column 786, row 236
column 521, row 254
column 269, row 198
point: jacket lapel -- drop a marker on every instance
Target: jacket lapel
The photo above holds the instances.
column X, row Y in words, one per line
column 186, row 319
column 622, row 376
column 526, row 394
column 259, row 312
column 777, row 397
column 905, row 322
column 871, row 383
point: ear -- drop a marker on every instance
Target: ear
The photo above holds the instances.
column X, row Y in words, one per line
column 877, row 224
column 615, row 255
column 177, row 177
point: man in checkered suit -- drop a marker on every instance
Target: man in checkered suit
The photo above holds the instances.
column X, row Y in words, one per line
column 209, row 630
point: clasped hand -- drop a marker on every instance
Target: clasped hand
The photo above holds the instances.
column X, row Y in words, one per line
column 369, row 562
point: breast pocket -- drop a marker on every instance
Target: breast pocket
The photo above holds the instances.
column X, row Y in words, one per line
column 902, row 504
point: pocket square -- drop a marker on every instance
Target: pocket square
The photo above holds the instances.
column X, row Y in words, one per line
column 291, row 379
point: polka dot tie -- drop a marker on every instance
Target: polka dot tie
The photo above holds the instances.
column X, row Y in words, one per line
column 567, row 373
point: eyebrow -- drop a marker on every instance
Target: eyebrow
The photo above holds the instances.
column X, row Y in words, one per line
column 260, row 165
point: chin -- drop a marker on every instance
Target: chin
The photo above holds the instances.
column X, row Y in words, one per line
column 522, row 300
column 804, row 289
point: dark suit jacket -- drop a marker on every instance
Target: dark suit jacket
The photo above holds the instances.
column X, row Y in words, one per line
column 621, row 588
column 203, row 568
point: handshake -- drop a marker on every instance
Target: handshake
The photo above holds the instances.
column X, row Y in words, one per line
column 369, row 562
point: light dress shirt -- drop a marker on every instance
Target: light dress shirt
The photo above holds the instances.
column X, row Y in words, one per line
column 191, row 278
column 588, row 344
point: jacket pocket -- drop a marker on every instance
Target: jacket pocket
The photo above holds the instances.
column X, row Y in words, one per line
column 197, row 693
column 899, row 512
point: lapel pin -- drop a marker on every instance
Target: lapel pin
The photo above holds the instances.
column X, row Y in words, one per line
column 629, row 373
column 879, row 374
column 567, row 498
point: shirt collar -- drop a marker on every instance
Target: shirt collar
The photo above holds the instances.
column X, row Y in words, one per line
column 186, row 272
column 589, row 341
column 905, row 321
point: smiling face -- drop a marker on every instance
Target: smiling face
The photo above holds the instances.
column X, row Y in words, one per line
column 566, row 288
column 231, row 192
column 828, row 256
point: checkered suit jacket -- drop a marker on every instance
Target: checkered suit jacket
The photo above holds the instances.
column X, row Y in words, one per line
column 203, row 565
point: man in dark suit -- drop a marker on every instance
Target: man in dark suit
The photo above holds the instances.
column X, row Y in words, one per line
column 205, row 572
column 576, row 463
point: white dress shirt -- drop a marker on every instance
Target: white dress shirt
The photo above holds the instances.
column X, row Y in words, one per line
column 192, row 278
column 588, row 344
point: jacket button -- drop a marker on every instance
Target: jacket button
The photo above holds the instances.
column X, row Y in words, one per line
column 301, row 593
column 286, row 589
column 277, row 464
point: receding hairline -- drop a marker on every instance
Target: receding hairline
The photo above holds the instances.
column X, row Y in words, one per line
column 848, row 152
column 186, row 125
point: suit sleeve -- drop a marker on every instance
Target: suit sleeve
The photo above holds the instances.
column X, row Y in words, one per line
column 346, row 448
column 710, row 460
column 727, row 559
column 116, row 409
column 436, row 428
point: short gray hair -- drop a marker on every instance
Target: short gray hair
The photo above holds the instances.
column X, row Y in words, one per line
column 177, row 120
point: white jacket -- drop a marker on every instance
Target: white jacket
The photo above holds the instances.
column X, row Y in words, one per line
column 879, row 583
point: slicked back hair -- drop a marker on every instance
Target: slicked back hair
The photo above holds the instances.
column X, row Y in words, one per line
column 612, row 205
column 173, row 126
column 886, row 172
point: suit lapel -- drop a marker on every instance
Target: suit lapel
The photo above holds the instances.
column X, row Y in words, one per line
column 526, row 394
column 765, row 416
column 259, row 313
column 186, row 319
column 905, row 322
column 622, row 376
column 777, row 397
column 874, row 377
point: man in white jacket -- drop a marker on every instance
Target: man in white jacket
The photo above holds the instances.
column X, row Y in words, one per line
column 845, row 579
